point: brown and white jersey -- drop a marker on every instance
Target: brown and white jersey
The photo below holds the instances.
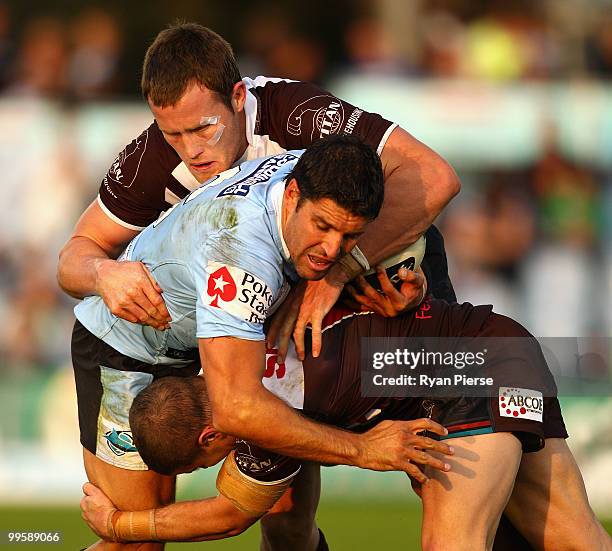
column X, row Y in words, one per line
column 328, row 388
column 148, row 176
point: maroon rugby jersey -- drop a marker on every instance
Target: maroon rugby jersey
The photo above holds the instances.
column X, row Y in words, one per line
column 148, row 176
column 328, row 388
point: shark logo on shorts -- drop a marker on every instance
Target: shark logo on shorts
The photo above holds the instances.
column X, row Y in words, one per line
column 120, row 442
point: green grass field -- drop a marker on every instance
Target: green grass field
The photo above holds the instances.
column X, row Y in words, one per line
column 348, row 526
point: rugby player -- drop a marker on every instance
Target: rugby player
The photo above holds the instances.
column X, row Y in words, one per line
column 175, row 433
column 207, row 119
column 222, row 256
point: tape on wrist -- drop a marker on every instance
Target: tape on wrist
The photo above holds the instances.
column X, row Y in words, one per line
column 354, row 263
column 110, row 527
column 249, row 496
column 135, row 526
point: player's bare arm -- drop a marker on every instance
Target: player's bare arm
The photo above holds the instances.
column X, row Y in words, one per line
column 206, row 519
column 418, row 185
column 250, row 411
column 87, row 267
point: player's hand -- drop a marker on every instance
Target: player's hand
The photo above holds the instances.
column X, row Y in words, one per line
column 319, row 297
column 283, row 321
column 131, row 293
column 391, row 302
column 397, row 446
column 96, row 509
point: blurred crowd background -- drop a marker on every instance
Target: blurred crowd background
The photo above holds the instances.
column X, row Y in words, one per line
column 516, row 95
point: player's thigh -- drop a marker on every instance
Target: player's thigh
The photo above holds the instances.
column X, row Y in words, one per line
column 549, row 504
column 293, row 515
column 129, row 490
column 462, row 507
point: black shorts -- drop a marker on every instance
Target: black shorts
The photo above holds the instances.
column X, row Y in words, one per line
column 106, row 384
column 472, row 416
column 524, row 400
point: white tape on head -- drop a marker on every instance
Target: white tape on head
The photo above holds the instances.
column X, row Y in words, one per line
column 212, row 125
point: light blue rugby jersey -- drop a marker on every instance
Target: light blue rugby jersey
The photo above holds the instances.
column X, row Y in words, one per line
column 220, row 259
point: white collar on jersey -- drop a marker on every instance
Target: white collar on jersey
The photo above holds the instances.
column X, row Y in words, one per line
column 250, row 112
column 276, row 195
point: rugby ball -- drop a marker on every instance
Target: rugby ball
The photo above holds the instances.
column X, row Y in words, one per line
column 410, row 258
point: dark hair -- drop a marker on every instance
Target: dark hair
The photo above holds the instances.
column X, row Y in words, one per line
column 185, row 53
column 345, row 170
column 167, row 418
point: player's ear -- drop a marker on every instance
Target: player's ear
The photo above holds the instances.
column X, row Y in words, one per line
column 292, row 191
column 238, row 96
column 208, row 435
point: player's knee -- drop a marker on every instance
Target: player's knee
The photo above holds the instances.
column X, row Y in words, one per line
column 447, row 540
column 579, row 534
column 579, row 545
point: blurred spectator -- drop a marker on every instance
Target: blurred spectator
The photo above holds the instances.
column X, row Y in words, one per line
column 567, row 195
column 599, row 46
column 39, row 316
column 443, row 44
column 6, row 46
column 262, row 32
column 94, row 58
column 493, row 52
column 496, row 228
column 371, row 50
column 274, row 48
column 488, row 233
column 41, row 60
column 560, row 274
column 500, row 42
column 42, row 194
column 296, row 57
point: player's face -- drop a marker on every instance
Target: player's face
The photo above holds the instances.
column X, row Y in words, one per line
column 207, row 135
column 318, row 233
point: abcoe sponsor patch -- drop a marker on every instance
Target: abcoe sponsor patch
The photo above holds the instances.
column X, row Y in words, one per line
column 521, row 403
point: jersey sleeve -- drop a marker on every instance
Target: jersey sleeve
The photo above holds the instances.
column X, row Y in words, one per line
column 295, row 114
column 133, row 191
column 237, row 281
column 264, row 466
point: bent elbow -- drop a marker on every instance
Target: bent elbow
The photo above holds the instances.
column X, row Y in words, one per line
column 241, row 521
column 224, row 422
column 61, row 275
column 240, row 525
column 231, row 416
column 449, row 180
